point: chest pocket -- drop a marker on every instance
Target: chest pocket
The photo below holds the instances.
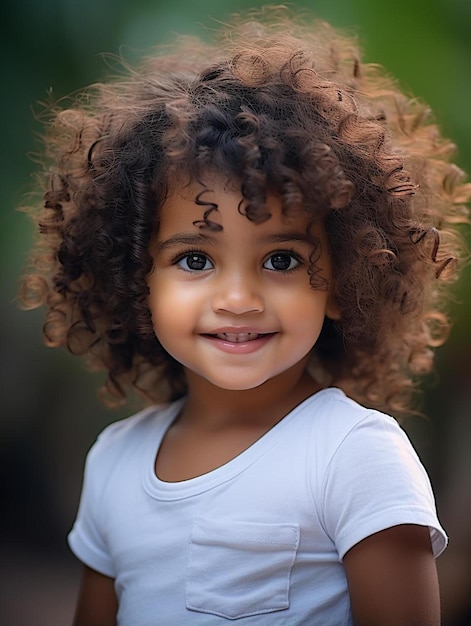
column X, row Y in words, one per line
column 238, row 569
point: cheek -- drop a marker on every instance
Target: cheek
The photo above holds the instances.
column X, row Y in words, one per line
column 307, row 305
column 171, row 328
column 307, row 315
column 171, row 306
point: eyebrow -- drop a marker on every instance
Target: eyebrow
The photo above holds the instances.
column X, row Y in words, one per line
column 286, row 237
column 194, row 239
column 189, row 239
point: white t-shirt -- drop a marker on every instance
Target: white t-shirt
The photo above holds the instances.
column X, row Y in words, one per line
column 260, row 539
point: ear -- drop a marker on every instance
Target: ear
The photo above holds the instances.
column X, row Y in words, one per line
column 332, row 309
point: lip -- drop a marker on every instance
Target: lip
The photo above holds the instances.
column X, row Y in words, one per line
column 238, row 329
column 239, row 340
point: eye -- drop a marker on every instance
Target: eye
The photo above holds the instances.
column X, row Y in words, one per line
column 194, row 262
column 282, row 262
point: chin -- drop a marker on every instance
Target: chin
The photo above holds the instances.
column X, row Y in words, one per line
column 237, row 385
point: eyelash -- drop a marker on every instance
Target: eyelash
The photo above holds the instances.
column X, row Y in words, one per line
column 195, row 251
column 185, row 253
column 289, row 252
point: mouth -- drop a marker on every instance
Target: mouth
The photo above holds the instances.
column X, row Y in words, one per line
column 239, row 337
column 238, row 341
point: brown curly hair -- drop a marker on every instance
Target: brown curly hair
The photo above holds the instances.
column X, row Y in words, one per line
column 284, row 105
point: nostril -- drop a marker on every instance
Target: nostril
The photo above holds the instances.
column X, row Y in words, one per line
column 238, row 301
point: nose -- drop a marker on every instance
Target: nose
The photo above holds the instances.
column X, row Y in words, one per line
column 238, row 295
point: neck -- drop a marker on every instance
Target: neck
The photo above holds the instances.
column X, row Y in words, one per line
column 270, row 401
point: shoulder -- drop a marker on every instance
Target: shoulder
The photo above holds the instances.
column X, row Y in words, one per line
column 338, row 421
column 332, row 404
column 348, row 432
column 369, row 477
column 128, row 434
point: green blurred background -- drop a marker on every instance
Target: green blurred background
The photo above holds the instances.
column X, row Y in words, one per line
column 48, row 406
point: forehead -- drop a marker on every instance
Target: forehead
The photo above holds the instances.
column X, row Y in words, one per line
column 217, row 205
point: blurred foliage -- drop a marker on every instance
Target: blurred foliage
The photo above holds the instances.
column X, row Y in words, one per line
column 49, row 49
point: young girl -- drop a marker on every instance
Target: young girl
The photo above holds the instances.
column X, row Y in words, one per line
column 257, row 235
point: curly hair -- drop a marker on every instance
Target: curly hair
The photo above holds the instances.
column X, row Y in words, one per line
column 284, row 105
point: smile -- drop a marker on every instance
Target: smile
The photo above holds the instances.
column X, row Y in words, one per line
column 239, row 343
column 238, row 337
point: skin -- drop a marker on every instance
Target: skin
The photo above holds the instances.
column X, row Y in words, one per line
column 237, row 290
column 236, row 308
column 97, row 604
column 237, row 389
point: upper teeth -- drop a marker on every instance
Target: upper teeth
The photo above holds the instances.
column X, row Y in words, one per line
column 237, row 337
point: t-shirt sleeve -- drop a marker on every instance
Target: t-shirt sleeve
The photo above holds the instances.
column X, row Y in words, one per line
column 374, row 481
column 87, row 538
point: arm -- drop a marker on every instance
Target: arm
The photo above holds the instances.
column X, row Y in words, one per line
column 97, row 604
column 392, row 579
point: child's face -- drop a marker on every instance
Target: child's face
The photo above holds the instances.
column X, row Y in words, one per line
column 235, row 306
